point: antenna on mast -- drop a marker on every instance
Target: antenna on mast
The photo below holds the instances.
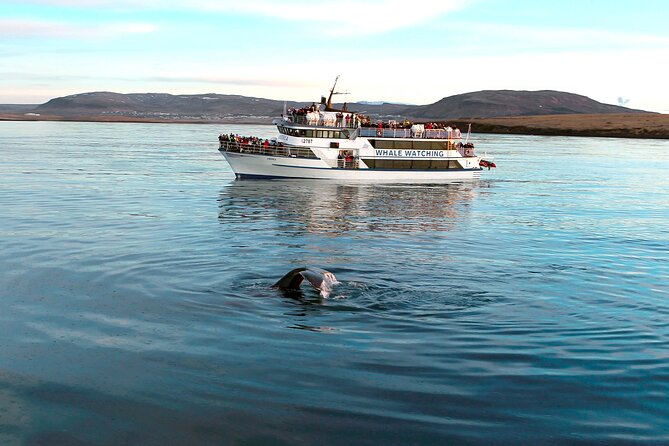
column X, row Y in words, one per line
column 328, row 104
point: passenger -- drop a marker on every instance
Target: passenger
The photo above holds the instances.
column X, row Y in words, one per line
column 456, row 133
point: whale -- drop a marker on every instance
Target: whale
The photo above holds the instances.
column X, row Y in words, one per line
column 319, row 278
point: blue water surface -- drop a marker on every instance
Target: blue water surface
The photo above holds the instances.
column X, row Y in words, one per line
column 530, row 307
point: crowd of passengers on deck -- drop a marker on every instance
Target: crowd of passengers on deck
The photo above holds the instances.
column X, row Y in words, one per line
column 312, row 115
column 406, row 124
column 414, row 130
column 248, row 140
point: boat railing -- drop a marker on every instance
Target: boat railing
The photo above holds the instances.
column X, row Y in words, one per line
column 370, row 132
column 270, row 150
column 375, row 132
column 348, row 164
column 303, row 120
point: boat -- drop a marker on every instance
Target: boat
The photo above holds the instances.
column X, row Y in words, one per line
column 322, row 142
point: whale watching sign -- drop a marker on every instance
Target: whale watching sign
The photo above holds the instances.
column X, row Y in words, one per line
column 410, row 153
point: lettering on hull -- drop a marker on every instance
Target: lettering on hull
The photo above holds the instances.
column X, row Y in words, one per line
column 410, row 153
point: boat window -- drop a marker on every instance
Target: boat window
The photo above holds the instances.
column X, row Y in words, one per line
column 421, row 164
column 334, row 145
column 401, row 164
column 429, row 145
column 411, row 164
column 438, row 165
column 441, row 165
column 310, row 133
column 385, row 164
column 382, row 144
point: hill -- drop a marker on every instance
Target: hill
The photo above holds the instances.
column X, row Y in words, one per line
column 490, row 111
column 500, row 103
column 163, row 105
column 480, row 104
column 187, row 107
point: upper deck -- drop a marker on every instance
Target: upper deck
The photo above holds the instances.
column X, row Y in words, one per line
column 317, row 126
column 376, row 132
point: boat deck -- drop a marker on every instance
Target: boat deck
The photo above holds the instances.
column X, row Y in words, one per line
column 256, row 149
column 375, row 132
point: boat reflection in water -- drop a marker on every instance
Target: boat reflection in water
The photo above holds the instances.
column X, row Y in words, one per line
column 331, row 209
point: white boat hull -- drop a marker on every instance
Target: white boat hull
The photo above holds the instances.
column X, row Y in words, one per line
column 262, row 166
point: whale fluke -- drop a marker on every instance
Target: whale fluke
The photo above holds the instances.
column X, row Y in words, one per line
column 319, row 278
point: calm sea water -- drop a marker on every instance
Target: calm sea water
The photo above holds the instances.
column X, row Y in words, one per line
column 531, row 307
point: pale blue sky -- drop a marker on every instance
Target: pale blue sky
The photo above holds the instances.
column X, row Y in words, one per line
column 414, row 52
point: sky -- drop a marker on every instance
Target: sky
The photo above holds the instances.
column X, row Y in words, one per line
column 414, row 52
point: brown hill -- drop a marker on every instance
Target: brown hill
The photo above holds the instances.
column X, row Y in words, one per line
column 489, row 103
column 491, row 111
column 162, row 104
column 497, row 103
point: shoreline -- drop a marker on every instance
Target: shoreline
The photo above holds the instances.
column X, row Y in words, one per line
column 633, row 125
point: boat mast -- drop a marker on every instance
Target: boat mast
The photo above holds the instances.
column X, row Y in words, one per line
column 328, row 104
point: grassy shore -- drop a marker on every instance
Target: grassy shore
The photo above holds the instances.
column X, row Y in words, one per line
column 633, row 125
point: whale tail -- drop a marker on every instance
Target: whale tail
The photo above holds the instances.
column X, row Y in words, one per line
column 319, row 278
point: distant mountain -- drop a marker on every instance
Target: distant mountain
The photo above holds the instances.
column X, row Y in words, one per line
column 480, row 104
column 500, row 103
column 16, row 108
column 220, row 105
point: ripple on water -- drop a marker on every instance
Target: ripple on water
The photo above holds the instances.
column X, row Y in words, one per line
column 526, row 308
